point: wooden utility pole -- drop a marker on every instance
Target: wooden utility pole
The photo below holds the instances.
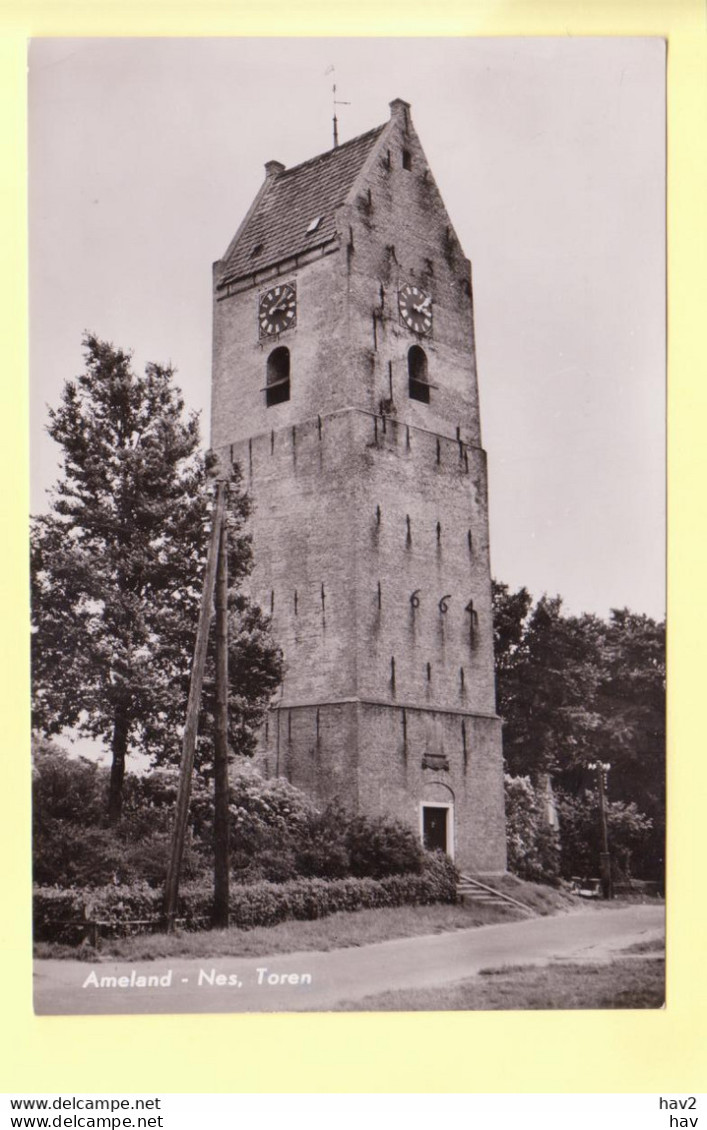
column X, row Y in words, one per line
column 186, row 768
column 221, row 812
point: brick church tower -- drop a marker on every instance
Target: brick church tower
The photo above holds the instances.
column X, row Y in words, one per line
column 344, row 383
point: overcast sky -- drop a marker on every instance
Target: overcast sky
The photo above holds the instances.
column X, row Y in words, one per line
column 145, row 154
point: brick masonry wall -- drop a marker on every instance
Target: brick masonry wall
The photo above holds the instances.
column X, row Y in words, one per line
column 422, row 536
column 317, row 349
column 303, row 496
column 317, row 529
column 394, row 745
column 373, row 758
column 316, row 748
column 371, row 546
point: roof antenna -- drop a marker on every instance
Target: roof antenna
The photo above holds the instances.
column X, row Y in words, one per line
column 335, row 123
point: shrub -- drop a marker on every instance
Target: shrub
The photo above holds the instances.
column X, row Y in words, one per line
column 322, row 860
column 266, row 814
column 60, row 914
column 75, row 856
column 440, row 876
column 274, row 866
column 533, row 846
column 68, row 799
column 323, row 852
column 380, row 847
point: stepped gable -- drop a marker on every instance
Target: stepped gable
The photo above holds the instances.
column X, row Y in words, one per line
column 290, row 201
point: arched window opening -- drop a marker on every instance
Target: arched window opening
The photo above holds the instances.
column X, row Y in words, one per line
column 418, row 383
column 278, row 377
column 407, row 159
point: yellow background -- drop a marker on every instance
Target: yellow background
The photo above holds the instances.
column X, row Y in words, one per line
column 446, row 1052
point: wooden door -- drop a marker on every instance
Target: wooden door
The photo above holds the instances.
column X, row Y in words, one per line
column 434, row 828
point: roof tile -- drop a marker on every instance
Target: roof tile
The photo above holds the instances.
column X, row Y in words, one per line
column 277, row 229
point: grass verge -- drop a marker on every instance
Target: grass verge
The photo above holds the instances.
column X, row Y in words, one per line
column 645, row 949
column 355, row 928
column 616, row 984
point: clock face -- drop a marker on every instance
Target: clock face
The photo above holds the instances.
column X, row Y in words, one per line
column 415, row 309
column 277, row 310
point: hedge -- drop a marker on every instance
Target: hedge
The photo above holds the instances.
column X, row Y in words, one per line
column 74, row 914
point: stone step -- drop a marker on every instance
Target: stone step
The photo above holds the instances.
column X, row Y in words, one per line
column 473, row 890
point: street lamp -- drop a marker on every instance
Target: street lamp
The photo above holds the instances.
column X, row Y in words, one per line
column 602, row 770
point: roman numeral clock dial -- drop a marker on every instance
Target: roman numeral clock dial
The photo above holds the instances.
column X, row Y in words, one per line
column 277, row 310
column 415, row 308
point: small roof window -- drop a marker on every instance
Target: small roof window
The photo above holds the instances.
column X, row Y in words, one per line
column 257, row 250
column 314, row 225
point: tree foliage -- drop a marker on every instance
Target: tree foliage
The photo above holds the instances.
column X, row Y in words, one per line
column 548, row 670
column 631, row 696
column 117, row 566
column 533, row 846
column 628, row 830
column 73, row 842
column 577, row 689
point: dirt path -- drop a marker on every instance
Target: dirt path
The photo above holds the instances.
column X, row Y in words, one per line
column 318, row 981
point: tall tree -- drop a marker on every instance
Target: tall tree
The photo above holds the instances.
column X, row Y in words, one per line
column 510, row 612
column 547, row 668
column 577, row 689
column 631, row 698
column 117, row 563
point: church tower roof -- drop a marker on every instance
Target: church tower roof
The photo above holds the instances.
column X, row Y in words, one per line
column 295, row 208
